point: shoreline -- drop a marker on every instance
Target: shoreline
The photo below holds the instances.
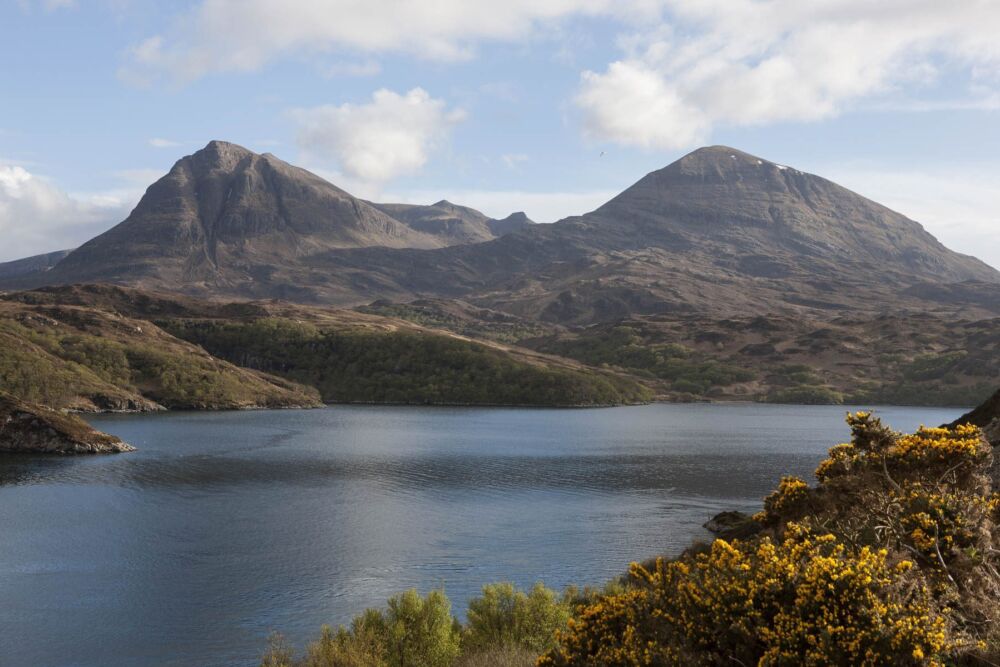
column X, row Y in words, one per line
column 553, row 406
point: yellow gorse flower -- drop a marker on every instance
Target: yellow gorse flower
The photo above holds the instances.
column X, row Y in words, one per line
column 854, row 571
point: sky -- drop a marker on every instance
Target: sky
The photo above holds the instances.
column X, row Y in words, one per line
column 547, row 107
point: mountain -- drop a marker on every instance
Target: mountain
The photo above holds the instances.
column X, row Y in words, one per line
column 30, row 265
column 225, row 215
column 454, row 224
column 718, row 231
column 727, row 230
column 514, row 222
column 764, row 219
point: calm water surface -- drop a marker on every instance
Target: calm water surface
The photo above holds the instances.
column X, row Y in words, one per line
column 225, row 526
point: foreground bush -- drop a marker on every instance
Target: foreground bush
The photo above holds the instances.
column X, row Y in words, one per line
column 891, row 559
column 505, row 616
column 507, row 628
column 806, row 600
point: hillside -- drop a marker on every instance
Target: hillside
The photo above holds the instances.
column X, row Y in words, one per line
column 718, row 232
column 98, row 347
column 86, row 358
column 915, row 359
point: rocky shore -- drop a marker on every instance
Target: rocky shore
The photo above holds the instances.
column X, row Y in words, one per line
column 34, row 429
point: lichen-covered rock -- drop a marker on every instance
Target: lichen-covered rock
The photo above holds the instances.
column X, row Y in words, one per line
column 35, row 429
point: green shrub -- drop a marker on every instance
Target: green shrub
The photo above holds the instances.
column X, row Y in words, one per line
column 505, row 616
column 931, row 366
column 412, row 630
column 806, row 395
column 499, row 656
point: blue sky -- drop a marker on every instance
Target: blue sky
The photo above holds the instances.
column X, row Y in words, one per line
column 499, row 107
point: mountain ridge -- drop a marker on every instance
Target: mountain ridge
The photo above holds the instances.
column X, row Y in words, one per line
column 717, row 230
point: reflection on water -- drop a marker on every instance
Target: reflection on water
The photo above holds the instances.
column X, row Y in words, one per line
column 225, row 526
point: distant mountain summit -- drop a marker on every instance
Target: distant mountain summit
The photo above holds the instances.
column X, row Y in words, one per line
column 718, row 231
column 454, row 224
column 226, row 216
column 765, row 215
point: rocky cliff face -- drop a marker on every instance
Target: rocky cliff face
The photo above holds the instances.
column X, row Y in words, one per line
column 34, row 429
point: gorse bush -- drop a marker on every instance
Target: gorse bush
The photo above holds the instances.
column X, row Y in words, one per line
column 805, row 600
column 891, row 559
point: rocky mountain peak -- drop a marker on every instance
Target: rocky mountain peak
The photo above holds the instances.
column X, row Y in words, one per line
column 723, row 165
column 219, row 155
column 731, row 204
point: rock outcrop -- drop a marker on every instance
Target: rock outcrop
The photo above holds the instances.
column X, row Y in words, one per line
column 34, row 429
column 986, row 417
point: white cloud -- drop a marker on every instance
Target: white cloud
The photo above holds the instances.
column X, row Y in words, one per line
column 156, row 142
column 539, row 206
column 632, row 104
column 36, row 216
column 748, row 62
column 391, row 135
column 960, row 205
column 243, row 35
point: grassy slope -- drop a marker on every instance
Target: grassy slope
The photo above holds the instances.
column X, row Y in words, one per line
column 921, row 359
column 83, row 358
column 98, row 346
